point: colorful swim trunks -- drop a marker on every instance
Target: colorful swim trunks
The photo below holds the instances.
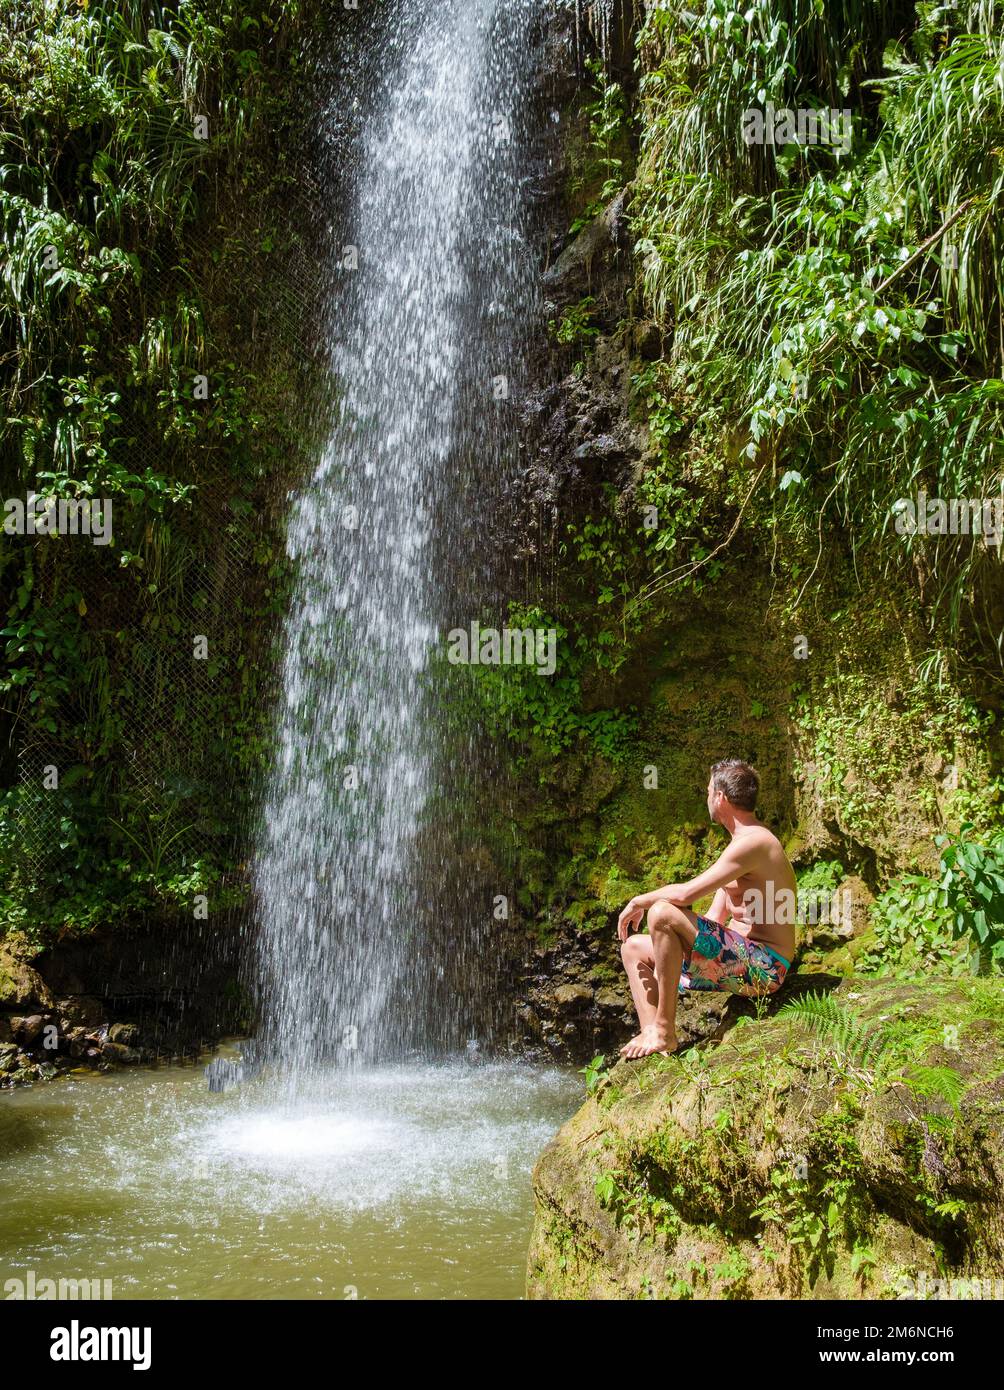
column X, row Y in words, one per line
column 725, row 959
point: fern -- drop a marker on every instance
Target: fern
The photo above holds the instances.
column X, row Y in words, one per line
column 833, row 1023
column 942, row 1082
column 872, row 1049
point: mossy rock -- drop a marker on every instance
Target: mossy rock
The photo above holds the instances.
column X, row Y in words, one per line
column 20, row 984
column 769, row 1165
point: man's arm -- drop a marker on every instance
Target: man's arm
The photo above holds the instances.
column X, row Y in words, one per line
column 730, row 864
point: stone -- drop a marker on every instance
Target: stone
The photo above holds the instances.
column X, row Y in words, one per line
column 77, row 1009
column 21, row 986
column 830, row 934
column 123, row 1033
column 570, row 996
column 574, row 266
column 28, row 1029
column 772, row 1111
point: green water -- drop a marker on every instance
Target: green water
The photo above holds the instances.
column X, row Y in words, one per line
column 400, row 1182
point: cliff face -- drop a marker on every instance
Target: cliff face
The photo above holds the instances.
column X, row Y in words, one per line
column 122, row 996
column 853, row 1152
column 712, row 597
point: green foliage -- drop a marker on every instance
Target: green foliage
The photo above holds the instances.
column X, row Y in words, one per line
column 593, row 1072
column 133, row 246
column 575, row 327
column 548, row 712
column 921, row 922
column 972, row 880
column 856, row 745
column 853, row 367
column 634, row 1206
column 825, row 876
column 834, row 1024
column 821, row 1212
column 913, row 930
column 605, row 168
column 877, row 1055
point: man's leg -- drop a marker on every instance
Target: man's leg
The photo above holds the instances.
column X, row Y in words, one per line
column 638, row 956
column 673, row 931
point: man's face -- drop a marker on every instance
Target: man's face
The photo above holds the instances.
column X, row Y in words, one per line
column 713, row 798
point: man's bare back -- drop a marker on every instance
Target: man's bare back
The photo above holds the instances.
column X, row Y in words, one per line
column 760, row 900
column 747, row 940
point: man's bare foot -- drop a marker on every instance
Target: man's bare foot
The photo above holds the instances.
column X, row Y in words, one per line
column 649, row 1040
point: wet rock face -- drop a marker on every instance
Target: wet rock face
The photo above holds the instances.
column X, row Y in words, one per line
column 578, row 436
column 117, row 998
column 576, row 1003
column 773, row 1165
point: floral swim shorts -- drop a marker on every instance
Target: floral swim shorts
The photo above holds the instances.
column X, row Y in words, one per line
column 725, row 959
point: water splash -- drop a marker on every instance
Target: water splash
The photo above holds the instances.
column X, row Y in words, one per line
column 385, row 543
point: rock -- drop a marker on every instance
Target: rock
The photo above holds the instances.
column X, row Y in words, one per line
column 830, row 934
column 570, row 996
column 123, row 1033
column 80, row 1009
column 20, row 985
column 654, row 1188
column 647, row 340
column 118, row 1052
column 613, row 998
column 575, row 264
column 27, row 1030
column 528, row 1021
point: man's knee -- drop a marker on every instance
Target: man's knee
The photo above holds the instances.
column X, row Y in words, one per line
column 635, row 948
column 666, row 917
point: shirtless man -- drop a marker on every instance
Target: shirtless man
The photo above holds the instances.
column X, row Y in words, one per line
column 684, row 951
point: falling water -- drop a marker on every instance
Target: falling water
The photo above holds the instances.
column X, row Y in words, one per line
column 387, row 541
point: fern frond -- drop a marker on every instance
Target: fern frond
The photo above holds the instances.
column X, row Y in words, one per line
column 942, row 1082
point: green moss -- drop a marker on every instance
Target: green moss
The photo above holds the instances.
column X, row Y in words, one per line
column 780, row 1167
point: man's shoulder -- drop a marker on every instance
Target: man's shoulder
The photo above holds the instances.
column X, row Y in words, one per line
column 759, row 835
column 760, row 840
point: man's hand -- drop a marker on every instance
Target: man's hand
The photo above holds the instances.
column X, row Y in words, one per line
column 630, row 918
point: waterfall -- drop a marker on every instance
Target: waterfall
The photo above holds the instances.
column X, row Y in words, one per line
column 432, row 287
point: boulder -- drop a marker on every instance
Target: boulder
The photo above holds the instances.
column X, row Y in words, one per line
column 575, row 265
column 568, row 997
column 80, row 1010
column 27, row 1030
column 857, row 1155
column 21, row 986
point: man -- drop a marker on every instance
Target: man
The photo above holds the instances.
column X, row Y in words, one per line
column 754, row 886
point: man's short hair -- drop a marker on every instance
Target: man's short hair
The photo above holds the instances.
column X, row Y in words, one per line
column 737, row 781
